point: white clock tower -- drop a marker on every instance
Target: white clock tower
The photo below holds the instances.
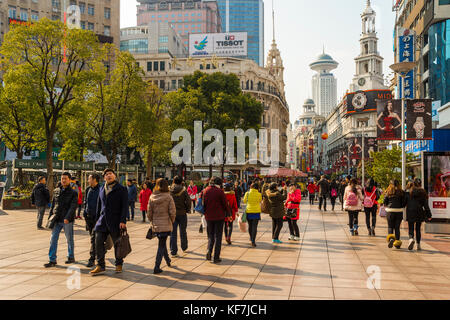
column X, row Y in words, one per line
column 369, row 63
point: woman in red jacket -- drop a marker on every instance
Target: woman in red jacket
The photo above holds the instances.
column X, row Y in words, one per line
column 144, row 197
column 293, row 202
column 80, row 200
column 232, row 203
column 312, row 192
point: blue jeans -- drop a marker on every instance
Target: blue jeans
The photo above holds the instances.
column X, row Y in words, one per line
column 68, row 232
column 180, row 221
column 130, row 211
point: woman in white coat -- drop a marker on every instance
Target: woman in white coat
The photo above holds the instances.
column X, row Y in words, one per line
column 353, row 204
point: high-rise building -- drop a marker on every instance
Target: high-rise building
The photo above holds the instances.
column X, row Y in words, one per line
column 324, row 84
column 245, row 16
column 193, row 16
column 100, row 16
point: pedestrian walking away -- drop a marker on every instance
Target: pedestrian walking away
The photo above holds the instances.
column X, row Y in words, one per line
column 371, row 196
column 233, row 206
column 192, row 192
column 276, row 200
column 144, row 196
column 90, row 213
column 161, row 214
column 80, row 199
column 64, row 205
column 40, row 197
column 111, row 217
column 353, row 199
column 132, row 197
column 183, row 206
column 312, row 192
column 215, row 204
column 293, row 201
column 238, row 192
column 417, row 212
column 324, row 190
column 394, row 202
column 334, row 193
column 253, row 201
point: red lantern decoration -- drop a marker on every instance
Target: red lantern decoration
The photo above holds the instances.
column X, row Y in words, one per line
column 324, row 136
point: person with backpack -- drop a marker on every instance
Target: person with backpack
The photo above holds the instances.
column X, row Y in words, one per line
column 292, row 204
column 144, row 196
column 371, row 196
column 161, row 213
column 275, row 200
column 192, row 192
column 253, row 200
column 394, row 202
column 40, row 197
column 312, row 192
column 343, row 185
column 183, row 205
column 353, row 199
column 334, row 187
column 417, row 212
column 233, row 206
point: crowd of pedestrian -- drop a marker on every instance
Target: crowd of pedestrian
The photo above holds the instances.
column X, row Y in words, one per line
column 166, row 204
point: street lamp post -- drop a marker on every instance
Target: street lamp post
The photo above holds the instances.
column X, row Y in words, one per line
column 402, row 69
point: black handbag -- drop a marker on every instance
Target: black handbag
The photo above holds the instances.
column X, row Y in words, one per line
column 123, row 246
column 150, row 234
column 291, row 213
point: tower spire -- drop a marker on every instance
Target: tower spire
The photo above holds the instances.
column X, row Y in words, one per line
column 273, row 22
column 368, row 3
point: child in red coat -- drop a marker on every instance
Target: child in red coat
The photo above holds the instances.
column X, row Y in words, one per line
column 293, row 202
column 144, row 197
column 232, row 203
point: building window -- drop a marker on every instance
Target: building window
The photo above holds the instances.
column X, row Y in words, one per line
column 162, row 66
column 23, row 15
column 174, row 84
column 149, row 66
column 83, row 25
column 12, row 13
column 82, row 6
column 34, row 15
column 107, row 13
column 163, row 39
column 107, row 31
column 90, row 26
column 91, row 10
column 134, row 45
column 162, row 84
column 155, row 66
column 163, row 49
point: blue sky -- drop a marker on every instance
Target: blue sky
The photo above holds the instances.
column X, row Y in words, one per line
column 303, row 27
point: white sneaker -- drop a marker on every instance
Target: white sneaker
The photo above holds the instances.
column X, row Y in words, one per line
column 411, row 244
column 419, row 247
column 297, row 238
column 291, row 237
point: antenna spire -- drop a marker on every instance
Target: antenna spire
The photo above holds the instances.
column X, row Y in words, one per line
column 273, row 21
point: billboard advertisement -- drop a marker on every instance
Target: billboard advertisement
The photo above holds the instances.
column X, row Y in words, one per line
column 364, row 101
column 406, row 54
column 389, row 119
column 436, row 166
column 231, row 44
column 418, row 119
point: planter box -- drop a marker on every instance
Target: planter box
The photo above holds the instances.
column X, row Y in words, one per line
column 16, row 204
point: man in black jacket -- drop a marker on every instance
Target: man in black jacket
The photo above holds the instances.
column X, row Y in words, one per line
column 90, row 211
column 111, row 218
column 183, row 205
column 324, row 190
column 65, row 202
column 40, row 197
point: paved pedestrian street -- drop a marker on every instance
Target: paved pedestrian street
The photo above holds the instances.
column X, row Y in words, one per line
column 328, row 263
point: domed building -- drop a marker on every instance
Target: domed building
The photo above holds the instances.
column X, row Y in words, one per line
column 324, row 84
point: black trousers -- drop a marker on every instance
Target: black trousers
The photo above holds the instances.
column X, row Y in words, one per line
column 333, row 202
column 322, row 199
column 371, row 212
column 215, row 233
column 80, row 206
column 311, row 199
column 341, row 200
column 162, row 249
column 253, row 229
column 40, row 216
column 181, row 222
column 144, row 213
column 293, row 228
column 353, row 218
column 100, row 238
column 394, row 220
column 277, row 225
column 415, row 226
column 90, row 225
column 228, row 229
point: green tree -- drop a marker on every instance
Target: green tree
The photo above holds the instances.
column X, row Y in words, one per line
column 217, row 100
column 114, row 97
column 50, row 62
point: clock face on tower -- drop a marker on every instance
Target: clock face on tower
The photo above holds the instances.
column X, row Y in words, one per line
column 362, row 82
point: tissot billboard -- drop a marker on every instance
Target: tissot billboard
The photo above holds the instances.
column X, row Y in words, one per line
column 365, row 101
column 231, row 44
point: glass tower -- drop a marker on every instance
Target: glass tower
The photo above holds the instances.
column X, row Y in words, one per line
column 245, row 16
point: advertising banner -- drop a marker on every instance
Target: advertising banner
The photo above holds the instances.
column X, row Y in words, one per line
column 370, row 146
column 418, row 119
column 389, row 120
column 365, row 101
column 437, row 183
column 406, row 54
column 232, row 44
column 354, row 150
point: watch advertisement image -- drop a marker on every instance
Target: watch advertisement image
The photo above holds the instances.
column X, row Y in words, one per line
column 418, row 119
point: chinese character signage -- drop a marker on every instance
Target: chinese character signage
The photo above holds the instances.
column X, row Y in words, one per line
column 406, row 54
column 418, row 119
column 389, row 120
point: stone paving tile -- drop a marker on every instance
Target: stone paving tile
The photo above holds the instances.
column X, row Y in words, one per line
column 328, row 263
